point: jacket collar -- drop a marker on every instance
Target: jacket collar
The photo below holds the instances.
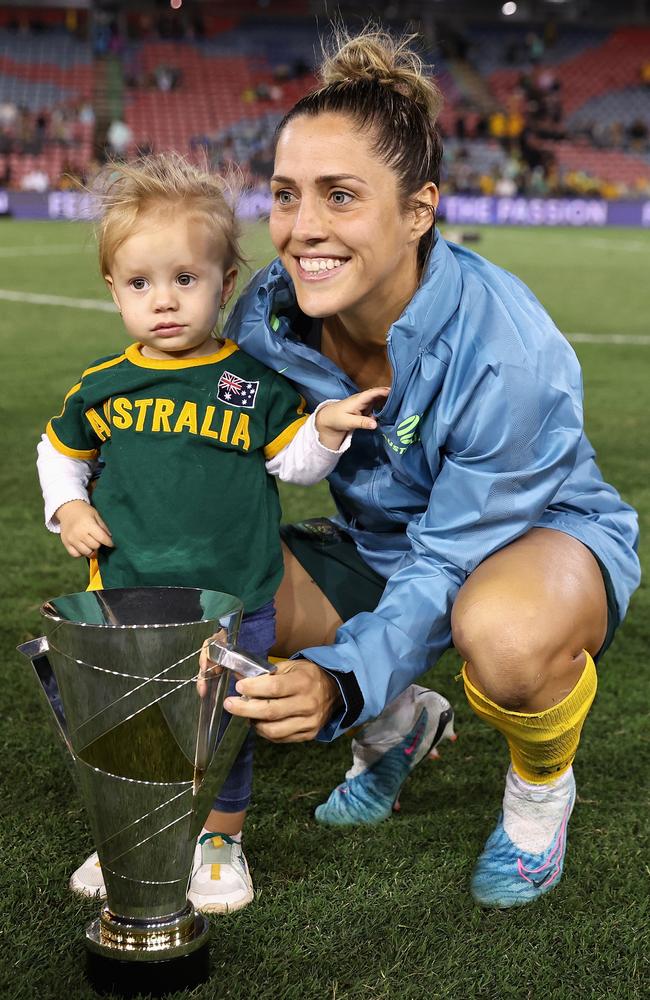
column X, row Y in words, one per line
column 434, row 303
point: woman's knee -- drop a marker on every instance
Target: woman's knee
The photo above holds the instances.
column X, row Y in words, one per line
column 524, row 616
column 506, row 659
column 512, row 657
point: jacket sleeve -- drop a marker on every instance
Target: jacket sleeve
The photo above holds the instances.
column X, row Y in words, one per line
column 506, row 454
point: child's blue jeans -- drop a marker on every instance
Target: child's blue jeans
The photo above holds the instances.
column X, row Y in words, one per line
column 256, row 635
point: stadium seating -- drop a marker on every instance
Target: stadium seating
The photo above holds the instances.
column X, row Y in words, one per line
column 613, row 107
column 44, row 74
column 612, row 165
column 231, row 87
column 595, row 79
column 497, row 47
column 612, row 65
column 39, row 72
column 215, row 91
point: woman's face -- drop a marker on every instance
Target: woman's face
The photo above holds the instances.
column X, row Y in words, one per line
column 338, row 225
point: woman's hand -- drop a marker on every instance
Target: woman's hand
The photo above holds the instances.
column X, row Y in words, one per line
column 82, row 529
column 335, row 420
column 289, row 706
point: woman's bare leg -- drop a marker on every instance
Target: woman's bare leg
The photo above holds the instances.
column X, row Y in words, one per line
column 528, row 621
column 524, row 617
column 304, row 615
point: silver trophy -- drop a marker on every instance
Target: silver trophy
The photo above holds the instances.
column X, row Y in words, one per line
column 151, row 747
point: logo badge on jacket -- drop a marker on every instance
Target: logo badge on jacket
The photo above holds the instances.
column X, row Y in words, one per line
column 407, row 430
column 236, row 391
column 407, row 434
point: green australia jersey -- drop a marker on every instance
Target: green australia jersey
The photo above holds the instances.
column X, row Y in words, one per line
column 184, row 490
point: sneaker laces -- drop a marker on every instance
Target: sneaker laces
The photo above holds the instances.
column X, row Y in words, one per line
column 203, row 839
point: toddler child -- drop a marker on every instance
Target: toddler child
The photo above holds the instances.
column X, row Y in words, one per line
column 191, row 432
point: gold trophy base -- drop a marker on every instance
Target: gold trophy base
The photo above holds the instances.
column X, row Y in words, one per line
column 154, row 957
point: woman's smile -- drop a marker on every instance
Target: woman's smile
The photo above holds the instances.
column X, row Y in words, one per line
column 338, row 224
column 319, row 268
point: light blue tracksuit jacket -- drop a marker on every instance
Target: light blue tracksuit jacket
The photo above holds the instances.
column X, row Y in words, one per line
column 480, row 439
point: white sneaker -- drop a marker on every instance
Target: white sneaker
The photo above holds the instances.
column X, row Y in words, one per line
column 221, row 882
column 88, row 879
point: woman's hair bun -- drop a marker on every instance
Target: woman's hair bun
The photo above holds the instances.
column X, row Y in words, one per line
column 375, row 55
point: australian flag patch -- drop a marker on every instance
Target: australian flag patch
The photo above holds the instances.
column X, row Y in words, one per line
column 236, row 391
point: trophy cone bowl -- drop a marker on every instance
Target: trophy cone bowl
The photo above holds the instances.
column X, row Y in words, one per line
column 151, row 749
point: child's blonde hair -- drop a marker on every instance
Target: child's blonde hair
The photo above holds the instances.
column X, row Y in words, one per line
column 163, row 181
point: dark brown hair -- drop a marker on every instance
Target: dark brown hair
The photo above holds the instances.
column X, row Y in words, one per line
column 379, row 82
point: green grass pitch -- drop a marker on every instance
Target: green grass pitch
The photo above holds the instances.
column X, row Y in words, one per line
column 367, row 914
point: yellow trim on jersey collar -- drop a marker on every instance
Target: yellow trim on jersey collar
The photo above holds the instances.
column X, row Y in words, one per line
column 134, row 354
column 99, row 368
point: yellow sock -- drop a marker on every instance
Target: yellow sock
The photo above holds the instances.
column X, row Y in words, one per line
column 543, row 744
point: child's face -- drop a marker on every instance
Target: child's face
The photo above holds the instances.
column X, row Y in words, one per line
column 168, row 281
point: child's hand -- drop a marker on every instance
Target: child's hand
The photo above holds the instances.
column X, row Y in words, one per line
column 207, row 667
column 335, row 420
column 82, row 529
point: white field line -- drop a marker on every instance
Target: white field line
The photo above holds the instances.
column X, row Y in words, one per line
column 34, row 298
column 586, row 238
column 599, row 242
column 58, row 248
column 640, row 339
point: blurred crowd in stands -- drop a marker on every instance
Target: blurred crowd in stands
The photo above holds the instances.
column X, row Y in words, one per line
column 506, row 150
column 514, row 172
column 25, row 131
column 523, row 137
column 519, row 141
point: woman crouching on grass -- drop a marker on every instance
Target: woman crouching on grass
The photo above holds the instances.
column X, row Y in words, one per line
column 474, row 513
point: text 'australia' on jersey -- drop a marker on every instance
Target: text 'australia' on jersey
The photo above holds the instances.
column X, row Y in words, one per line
column 184, row 489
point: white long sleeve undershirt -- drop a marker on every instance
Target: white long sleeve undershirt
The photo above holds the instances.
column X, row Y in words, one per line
column 303, row 461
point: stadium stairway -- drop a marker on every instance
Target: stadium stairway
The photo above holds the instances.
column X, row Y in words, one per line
column 108, row 98
column 471, row 85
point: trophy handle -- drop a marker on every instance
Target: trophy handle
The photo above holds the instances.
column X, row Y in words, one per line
column 208, row 783
column 36, row 650
column 238, row 660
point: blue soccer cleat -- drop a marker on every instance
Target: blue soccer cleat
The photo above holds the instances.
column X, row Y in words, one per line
column 370, row 796
column 504, row 875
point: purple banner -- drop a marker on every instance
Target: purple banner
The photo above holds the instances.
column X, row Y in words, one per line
column 75, row 205
column 461, row 210
column 473, row 210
